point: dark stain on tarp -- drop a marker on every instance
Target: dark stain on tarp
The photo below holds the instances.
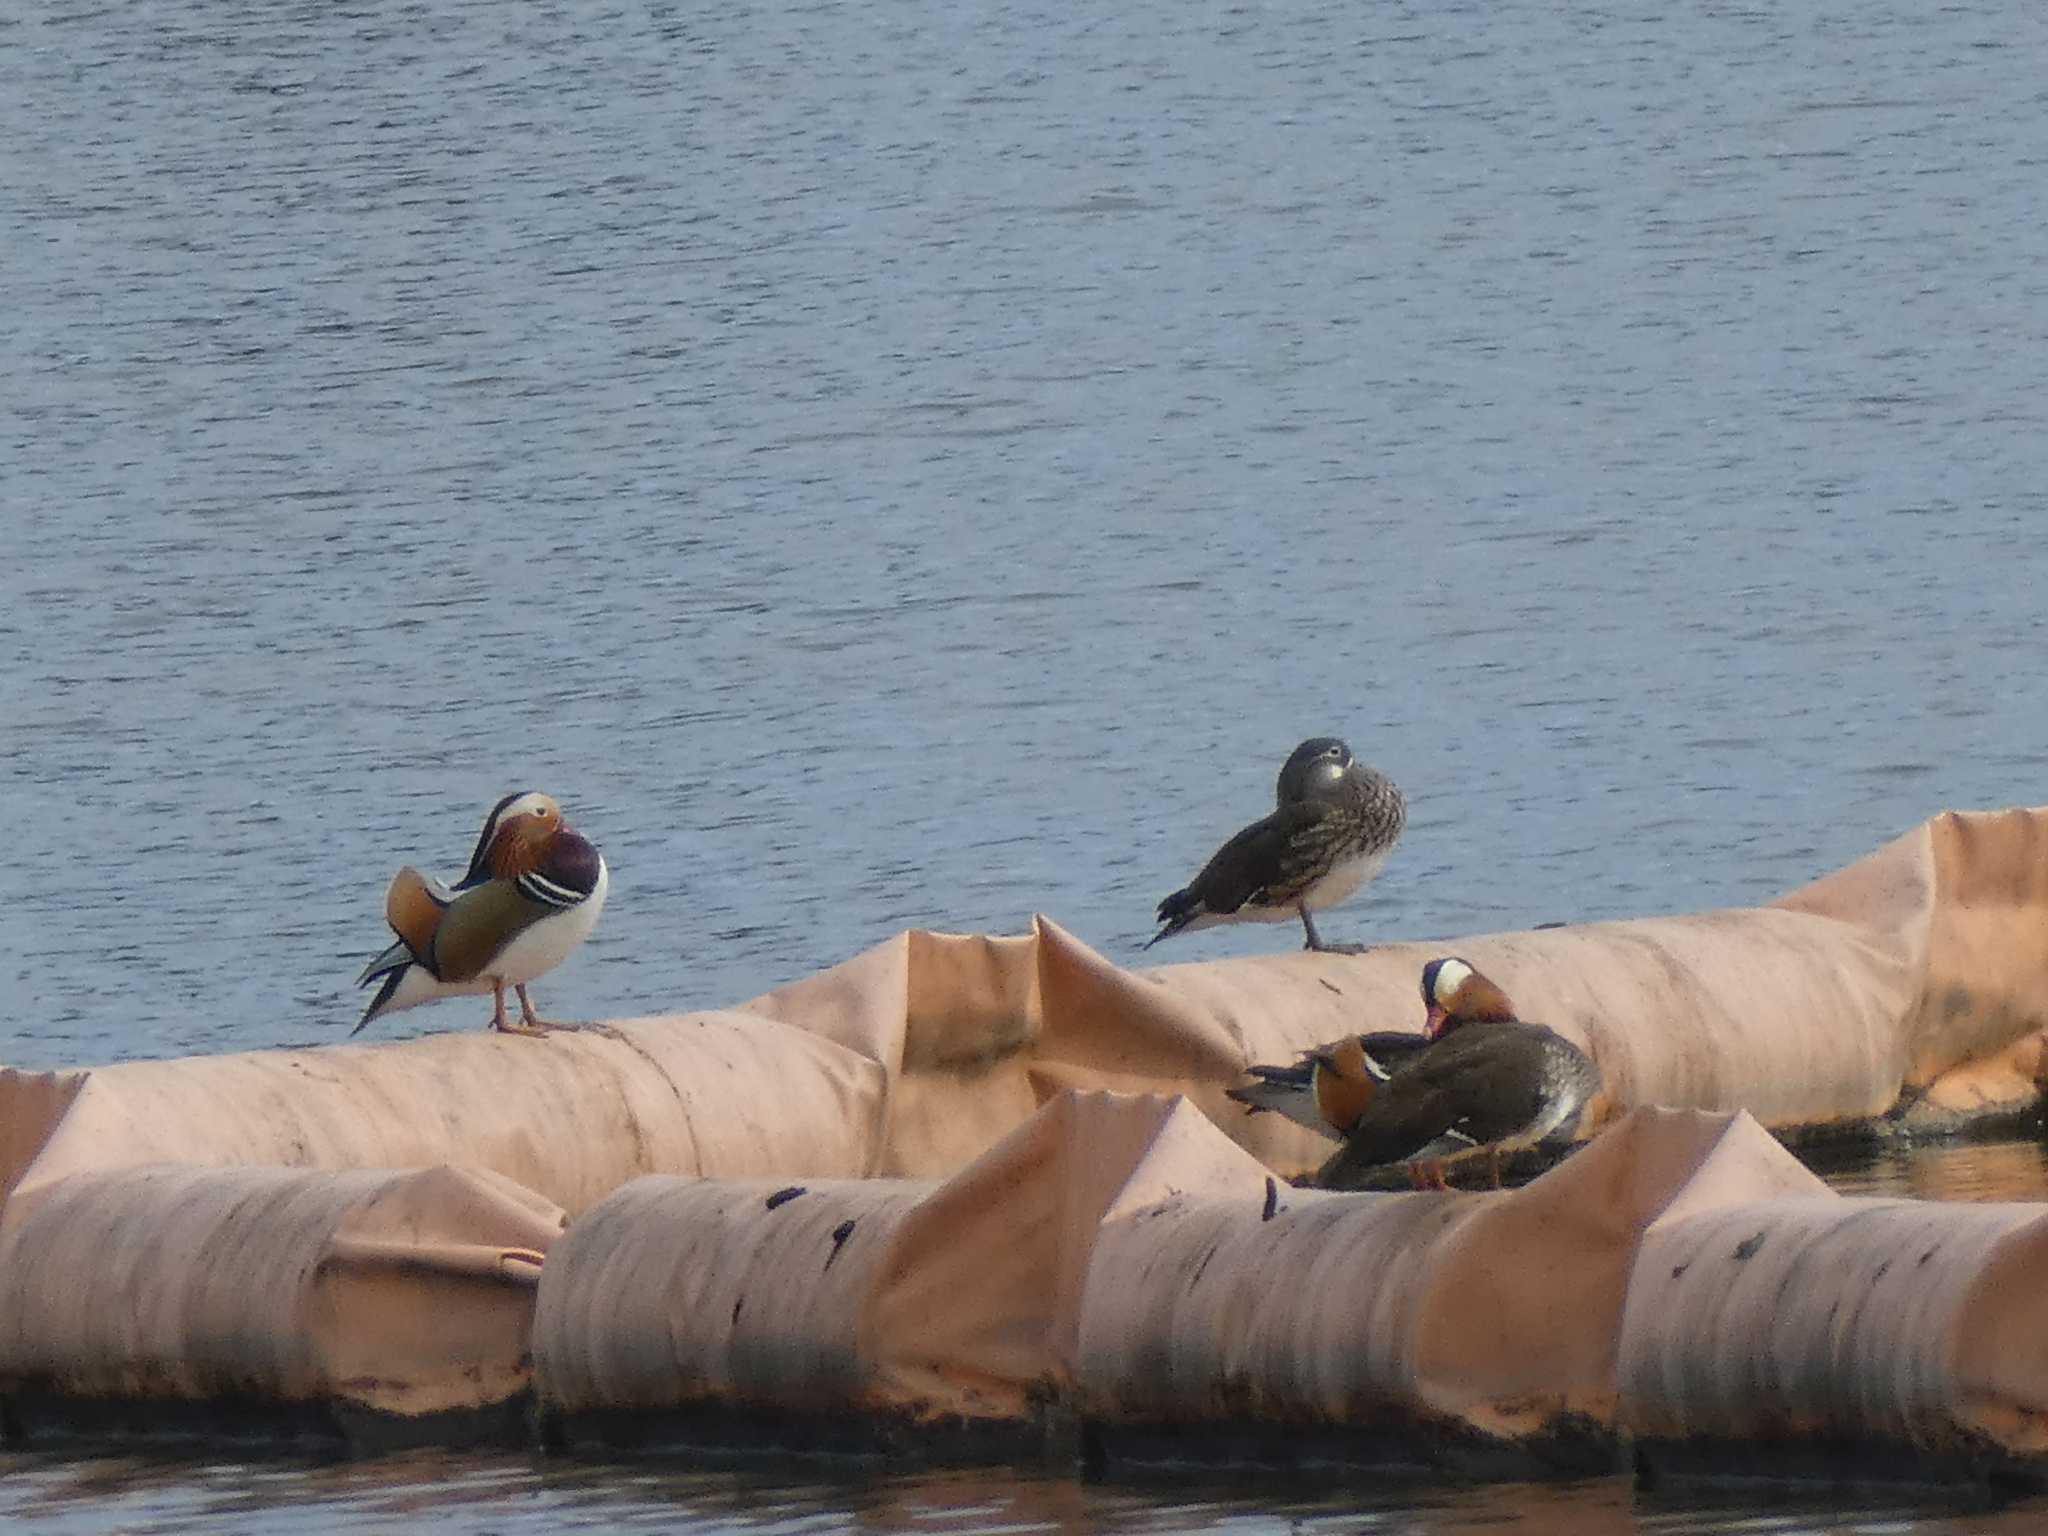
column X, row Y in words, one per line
column 784, row 1196
column 840, row 1234
column 1272, row 1206
column 1747, row 1248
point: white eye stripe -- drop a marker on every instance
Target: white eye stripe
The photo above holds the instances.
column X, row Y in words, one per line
column 1450, row 976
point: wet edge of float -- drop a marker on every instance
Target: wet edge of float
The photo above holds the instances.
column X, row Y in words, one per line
column 37, row 1417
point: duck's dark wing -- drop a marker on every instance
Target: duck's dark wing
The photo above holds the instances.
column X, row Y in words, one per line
column 1479, row 1084
column 477, row 927
column 1394, row 1049
column 1269, row 864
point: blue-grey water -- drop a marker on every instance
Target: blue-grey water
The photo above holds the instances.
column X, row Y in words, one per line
column 486, row 1496
column 908, row 464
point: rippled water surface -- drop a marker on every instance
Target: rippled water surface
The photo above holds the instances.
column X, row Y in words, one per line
column 475, row 1496
column 895, row 464
column 900, row 463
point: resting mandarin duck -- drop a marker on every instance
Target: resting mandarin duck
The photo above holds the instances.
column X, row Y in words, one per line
column 1331, row 1085
column 1487, row 1080
column 532, row 894
column 1477, row 1078
column 1334, row 823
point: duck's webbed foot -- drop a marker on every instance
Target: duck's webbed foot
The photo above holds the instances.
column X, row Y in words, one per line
column 534, row 1023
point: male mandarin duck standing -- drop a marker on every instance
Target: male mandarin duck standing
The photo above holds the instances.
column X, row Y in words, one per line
column 1334, row 824
column 532, row 894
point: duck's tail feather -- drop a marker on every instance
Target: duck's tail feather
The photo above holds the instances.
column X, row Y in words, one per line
column 394, row 975
column 1176, row 912
column 389, row 962
column 1286, row 1091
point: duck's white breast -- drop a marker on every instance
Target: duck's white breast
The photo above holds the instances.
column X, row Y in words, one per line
column 1344, row 878
column 547, row 943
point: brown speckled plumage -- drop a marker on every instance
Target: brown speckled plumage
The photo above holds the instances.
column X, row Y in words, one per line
column 1335, row 822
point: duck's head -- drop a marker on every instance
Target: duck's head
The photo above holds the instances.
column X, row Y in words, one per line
column 1344, row 1079
column 1453, row 993
column 1319, row 766
column 516, row 836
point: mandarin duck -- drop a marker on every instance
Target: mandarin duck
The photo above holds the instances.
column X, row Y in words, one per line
column 1333, row 825
column 1486, row 1080
column 532, row 893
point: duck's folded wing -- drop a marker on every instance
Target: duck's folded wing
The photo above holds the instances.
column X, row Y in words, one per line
column 1272, row 860
column 1406, row 1116
column 1305, row 841
column 478, row 925
column 1483, row 1082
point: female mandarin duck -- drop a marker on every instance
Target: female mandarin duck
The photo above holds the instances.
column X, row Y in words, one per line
column 1334, row 824
column 532, row 894
column 1478, row 1077
column 1487, row 1080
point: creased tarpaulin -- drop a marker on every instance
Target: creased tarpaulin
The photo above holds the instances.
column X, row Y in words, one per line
column 1496, row 1314
column 1683, row 1276
column 922, row 1298
column 571, row 1116
column 1120, row 1251
column 1921, row 967
column 402, row 1293
column 1841, row 1321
